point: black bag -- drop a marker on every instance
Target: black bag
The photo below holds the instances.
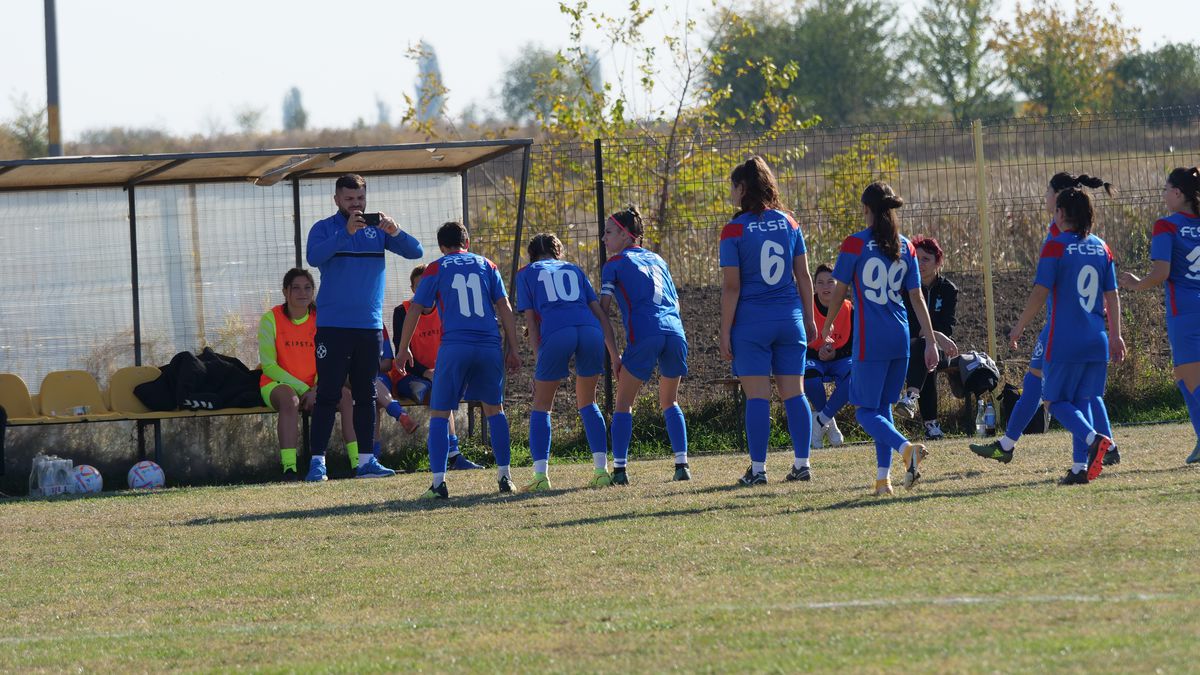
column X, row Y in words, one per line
column 977, row 374
column 1008, row 400
column 209, row 381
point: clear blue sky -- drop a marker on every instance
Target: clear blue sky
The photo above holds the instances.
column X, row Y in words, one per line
column 187, row 67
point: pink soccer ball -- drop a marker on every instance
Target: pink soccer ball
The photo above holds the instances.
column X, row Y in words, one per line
column 146, row 475
column 85, row 480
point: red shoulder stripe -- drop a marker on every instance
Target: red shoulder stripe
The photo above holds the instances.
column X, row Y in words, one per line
column 852, row 245
column 792, row 221
column 912, row 250
column 1053, row 249
column 731, row 230
column 431, row 269
column 1164, row 227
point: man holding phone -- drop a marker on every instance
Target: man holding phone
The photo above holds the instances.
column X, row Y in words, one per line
column 348, row 249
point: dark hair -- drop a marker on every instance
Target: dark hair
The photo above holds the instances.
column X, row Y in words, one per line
column 350, row 181
column 291, row 276
column 930, row 246
column 1063, row 180
column 823, row 267
column 415, row 274
column 544, row 245
column 631, row 220
column 1187, row 181
column 882, row 200
column 760, row 191
column 452, row 235
column 1077, row 210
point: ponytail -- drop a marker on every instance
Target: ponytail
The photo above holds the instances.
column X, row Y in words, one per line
column 1077, row 210
column 883, row 202
column 1063, row 180
column 544, row 245
column 1187, row 181
column 631, row 221
column 759, row 188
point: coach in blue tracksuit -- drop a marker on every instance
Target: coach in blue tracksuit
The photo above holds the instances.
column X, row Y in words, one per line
column 349, row 254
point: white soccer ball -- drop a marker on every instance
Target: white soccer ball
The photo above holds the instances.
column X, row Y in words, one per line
column 146, row 475
column 85, row 480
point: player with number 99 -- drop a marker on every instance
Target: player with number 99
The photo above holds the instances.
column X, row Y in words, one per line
column 879, row 264
column 470, row 297
column 766, row 313
column 1076, row 280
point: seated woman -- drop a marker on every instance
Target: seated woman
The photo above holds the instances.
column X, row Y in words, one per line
column 286, row 350
column 828, row 361
column 941, row 297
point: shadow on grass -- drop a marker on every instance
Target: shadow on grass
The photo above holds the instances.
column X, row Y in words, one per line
column 596, row 520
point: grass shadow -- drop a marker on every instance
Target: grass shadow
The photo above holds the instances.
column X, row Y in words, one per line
column 617, row 517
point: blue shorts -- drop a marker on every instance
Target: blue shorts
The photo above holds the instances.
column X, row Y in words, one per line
column 1036, row 362
column 414, row 388
column 1183, row 332
column 668, row 352
column 467, row 371
column 876, row 384
column 585, row 343
column 768, row 348
column 1073, row 381
column 829, row 371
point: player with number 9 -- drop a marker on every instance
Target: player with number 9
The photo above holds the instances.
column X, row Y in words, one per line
column 1076, row 280
column 642, row 285
column 879, row 264
column 469, row 295
column 766, row 313
column 1175, row 252
column 564, row 319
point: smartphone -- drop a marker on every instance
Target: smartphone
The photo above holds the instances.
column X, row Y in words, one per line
column 372, row 219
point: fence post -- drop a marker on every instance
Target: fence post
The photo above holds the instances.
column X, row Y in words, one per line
column 985, row 233
column 598, row 167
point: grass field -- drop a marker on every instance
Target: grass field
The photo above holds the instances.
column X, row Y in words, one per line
column 982, row 567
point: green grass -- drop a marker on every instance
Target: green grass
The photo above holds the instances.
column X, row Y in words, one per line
column 983, row 567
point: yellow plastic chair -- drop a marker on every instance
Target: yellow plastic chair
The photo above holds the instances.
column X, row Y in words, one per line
column 72, row 396
column 16, row 401
column 124, row 402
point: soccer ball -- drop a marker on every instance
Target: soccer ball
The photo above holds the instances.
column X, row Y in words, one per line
column 85, row 480
column 146, row 475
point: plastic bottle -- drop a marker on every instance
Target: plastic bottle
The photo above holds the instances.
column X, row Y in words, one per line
column 989, row 420
column 980, row 427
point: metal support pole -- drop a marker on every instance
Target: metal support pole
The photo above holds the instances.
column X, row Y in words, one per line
column 985, row 234
column 466, row 200
column 600, row 217
column 54, row 126
column 133, row 260
column 516, row 260
column 296, row 220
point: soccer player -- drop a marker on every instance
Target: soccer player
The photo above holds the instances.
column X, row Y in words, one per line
column 1077, row 281
column 285, row 349
column 642, row 285
column 416, row 381
column 1031, row 398
column 564, row 319
column 879, row 263
column 766, row 311
column 1175, row 250
column 350, row 255
column 828, row 361
column 469, row 294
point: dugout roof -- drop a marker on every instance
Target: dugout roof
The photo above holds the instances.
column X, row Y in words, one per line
column 262, row 167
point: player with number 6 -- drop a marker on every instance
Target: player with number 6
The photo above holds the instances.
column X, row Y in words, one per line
column 879, row 264
column 1175, row 252
column 469, row 294
column 1077, row 281
column 564, row 319
column 642, row 285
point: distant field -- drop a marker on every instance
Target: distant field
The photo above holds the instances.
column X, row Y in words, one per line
column 983, row 567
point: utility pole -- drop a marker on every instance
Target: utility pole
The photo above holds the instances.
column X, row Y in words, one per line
column 54, row 128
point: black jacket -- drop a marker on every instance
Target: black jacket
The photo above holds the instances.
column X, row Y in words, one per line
column 206, row 382
column 941, row 297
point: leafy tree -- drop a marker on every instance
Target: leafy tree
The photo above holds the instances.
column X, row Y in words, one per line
column 845, row 55
column 950, row 47
column 431, row 90
column 1064, row 62
column 248, row 118
column 29, row 129
column 845, row 175
column 295, row 117
column 533, row 81
column 1168, row 76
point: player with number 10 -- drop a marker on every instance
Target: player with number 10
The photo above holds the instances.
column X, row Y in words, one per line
column 469, row 295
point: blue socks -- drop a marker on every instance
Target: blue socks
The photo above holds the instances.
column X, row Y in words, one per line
column 622, row 434
column 814, row 389
column 439, row 441
column 1073, row 418
column 838, row 399
column 593, row 429
column 539, row 435
column 395, row 409
column 1192, row 400
column 799, row 417
column 758, row 427
column 677, row 432
column 1026, row 406
column 878, row 423
column 501, row 443
column 1099, row 414
column 454, row 445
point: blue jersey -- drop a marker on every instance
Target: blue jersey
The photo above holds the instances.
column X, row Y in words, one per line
column 1176, row 239
column 1078, row 273
column 464, row 287
column 642, row 285
column 558, row 292
column 877, row 284
column 763, row 247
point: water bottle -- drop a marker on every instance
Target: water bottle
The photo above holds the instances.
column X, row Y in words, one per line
column 980, row 426
column 989, row 420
